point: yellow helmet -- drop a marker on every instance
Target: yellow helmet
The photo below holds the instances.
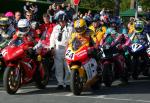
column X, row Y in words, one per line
column 80, row 26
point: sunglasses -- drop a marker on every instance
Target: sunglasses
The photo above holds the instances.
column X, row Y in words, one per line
column 28, row 15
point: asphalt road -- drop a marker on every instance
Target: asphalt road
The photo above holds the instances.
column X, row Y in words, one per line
column 136, row 92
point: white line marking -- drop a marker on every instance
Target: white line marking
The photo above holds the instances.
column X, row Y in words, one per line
column 131, row 100
column 20, row 91
column 102, row 97
column 2, row 91
column 69, row 94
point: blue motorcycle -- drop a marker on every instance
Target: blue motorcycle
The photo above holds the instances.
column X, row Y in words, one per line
column 138, row 51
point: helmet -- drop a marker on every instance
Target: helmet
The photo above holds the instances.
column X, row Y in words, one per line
column 62, row 17
column 23, row 26
column 4, row 22
column 139, row 26
column 88, row 20
column 80, row 26
column 9, row 14
column 96, row 18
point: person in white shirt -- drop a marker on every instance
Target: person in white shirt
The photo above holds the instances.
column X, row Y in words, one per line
column 58, row 42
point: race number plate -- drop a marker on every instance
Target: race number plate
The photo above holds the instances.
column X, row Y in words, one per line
column 69, row 54
column 91, row 68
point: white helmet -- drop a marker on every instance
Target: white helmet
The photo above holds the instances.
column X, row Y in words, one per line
column 23, row 26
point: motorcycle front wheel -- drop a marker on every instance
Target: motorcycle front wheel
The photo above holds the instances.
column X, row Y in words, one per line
column 136, row 67
column 107, row 74
column 11, row 80
column 75, row 84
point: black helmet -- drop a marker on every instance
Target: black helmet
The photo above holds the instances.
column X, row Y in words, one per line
column 96, row 18
column 62, row 17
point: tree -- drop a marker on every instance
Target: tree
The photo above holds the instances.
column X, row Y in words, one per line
column 145, row 4
column 117, row 7
column 132, row 4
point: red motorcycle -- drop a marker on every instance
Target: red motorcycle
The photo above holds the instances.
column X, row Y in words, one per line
column 21, row 68
column 113, row 64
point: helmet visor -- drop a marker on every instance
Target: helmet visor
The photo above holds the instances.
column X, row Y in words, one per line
column 24, row 29
column 80, row 29
column 139, row 27
column 3, row 26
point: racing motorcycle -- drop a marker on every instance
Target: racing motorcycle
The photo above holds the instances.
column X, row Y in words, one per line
column 21, row 68
column 110, row 57
column 140, row 60
column 3, row 43
column 82, row 67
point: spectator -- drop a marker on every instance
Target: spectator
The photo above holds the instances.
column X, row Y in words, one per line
column 81, row 15
column 34, row 10
column 69, row 15
column 131, row 26
column 57, row 8
column 26, row 7
column 58, row 12
column 29, row 16
column 17, row 18
column 63, row 7
column 54, row 6
column 58, row 43
column 46, row 28
column 47, row 25
column 89, row 14
column 70, row 10
column 102, row 12
column 50, row 12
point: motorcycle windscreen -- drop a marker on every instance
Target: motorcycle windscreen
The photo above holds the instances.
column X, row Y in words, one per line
column 18, row 42
column 109, row 51
column 13, row 51
column 76, row 44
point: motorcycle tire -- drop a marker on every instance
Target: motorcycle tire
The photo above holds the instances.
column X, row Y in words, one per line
column 135, row 73
column 75, row 84
column 124, row 78
column 9, row 80
column 40, row 81
column 107, row 75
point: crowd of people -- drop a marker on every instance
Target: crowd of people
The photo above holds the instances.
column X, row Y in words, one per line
column 60, row 26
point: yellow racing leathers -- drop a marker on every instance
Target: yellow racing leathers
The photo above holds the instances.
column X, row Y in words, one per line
column 88, row 36
column 99, row 33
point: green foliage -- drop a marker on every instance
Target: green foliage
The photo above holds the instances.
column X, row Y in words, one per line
column 97, row 4
column 145, row 4
column 125, row 4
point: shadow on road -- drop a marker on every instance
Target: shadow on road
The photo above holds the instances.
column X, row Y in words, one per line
column 141, row 86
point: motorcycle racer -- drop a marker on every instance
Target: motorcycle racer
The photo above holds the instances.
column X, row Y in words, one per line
column 6, row 32
column 99, row 31
column 83, row 33
column 27, row 34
